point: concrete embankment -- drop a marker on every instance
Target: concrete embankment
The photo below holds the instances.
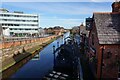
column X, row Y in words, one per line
column 14, row 52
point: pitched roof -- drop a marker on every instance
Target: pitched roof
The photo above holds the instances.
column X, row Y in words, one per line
column 108, row 27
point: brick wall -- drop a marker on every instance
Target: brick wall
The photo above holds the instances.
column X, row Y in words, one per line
column 109, row 67
column 110, row 55
column 94, row 50
column 108, row 60
column 18, row 43
column 116, row 7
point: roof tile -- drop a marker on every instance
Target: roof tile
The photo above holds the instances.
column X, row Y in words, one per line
column 108, row 27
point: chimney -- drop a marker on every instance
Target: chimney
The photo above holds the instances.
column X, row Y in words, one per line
column 116, row 6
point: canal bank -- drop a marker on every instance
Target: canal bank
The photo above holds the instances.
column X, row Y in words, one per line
column 27, row 54
column 36, row 68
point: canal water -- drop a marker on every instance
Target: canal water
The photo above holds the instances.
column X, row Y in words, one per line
column 40, row 64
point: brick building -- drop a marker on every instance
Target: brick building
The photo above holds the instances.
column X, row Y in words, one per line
column 116, row 6
column 76, row 30
column 57, row 30
column 104, row 43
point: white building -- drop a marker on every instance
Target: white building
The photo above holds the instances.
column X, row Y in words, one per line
column 18, row 23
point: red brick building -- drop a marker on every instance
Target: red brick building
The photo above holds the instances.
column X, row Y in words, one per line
column 57, row 30
column 116, row 7
column 104, row 43
column 76, row 30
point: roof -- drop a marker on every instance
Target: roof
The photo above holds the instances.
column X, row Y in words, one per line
column 3, row 10
column 108, row 27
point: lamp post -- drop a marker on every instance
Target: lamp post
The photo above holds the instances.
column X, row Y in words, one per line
column 53, row 48
column 58, row 44
column 54, row 54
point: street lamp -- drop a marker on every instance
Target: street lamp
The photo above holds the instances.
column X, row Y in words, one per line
column 53, row 48
column 54, row 54
column 57, row 44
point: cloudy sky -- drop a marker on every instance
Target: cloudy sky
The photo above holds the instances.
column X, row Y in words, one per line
column 59, row 0
column 59, row 13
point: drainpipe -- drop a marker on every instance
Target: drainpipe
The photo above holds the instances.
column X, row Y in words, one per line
column 101, row 63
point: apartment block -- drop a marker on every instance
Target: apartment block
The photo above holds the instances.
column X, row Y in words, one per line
column 18, row 23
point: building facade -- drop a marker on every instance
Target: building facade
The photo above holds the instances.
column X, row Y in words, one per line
column 82, row 29
column 104, row 44
column 76, row 30
column 18, row 23
column 57, row 30
column 116, row 6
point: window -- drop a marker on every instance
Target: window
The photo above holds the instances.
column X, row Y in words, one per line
column 1, row 14
column 11, row 29
column 109, row 54
column 26, row 29
column 8, row 24
column 16, row 15
column 35, row 20
column 21, row 29
column 4, row 28
column 23, row 20
column 15, row 29
column 11, row 33
column 4, row 25
column 16, row 24
column 4, row 19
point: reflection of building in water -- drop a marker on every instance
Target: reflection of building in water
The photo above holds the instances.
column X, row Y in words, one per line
column 36, row 57
column 66, row 60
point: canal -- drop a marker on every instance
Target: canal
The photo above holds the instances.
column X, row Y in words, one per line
column 40, row 64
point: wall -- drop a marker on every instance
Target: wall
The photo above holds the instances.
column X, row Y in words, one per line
column 15, row 51
column 109, row 67
column 110, row 55
column 18, row 43
column 116, row 7
column 93, row 50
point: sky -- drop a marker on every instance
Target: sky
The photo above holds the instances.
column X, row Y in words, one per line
column 55, row 13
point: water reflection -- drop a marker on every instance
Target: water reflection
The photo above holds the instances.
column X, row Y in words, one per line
column 36, row 57
column 10, row 71
column 36, row 66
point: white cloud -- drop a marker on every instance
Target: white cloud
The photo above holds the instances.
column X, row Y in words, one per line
column 102, row 0
column 61, row 8
column 67, row 23
column 57, row 0
column 43, row 1
column 52, row 14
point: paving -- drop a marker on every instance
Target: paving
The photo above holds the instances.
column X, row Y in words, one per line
column 86, row 71
column 56, row 76
column 70, row 55
column 68, row 61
